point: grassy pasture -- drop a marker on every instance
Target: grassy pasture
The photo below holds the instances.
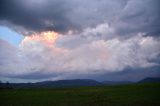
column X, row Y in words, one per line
column 118, row 95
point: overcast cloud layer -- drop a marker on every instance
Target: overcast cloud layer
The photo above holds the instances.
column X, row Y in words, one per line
column 65, row 15
column 97, row 39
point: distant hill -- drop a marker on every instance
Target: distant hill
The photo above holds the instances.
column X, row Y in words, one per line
column 75, row 82
column 116, row 82
column 146, row 80
column 72, row 83
column 50, row 84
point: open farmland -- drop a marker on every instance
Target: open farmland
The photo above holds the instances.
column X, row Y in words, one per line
column 118, row 95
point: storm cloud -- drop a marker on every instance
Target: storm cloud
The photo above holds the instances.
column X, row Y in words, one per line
column 99, row 39
column 38, row 59
column 126, row 17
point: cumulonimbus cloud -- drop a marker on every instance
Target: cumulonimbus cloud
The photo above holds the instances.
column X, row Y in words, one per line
column 41, row 53
column 73, row 37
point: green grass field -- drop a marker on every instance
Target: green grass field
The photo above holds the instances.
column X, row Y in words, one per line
column 120, row 95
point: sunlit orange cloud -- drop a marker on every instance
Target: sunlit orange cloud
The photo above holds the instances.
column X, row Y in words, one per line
column 48, row 37
column 46, row 40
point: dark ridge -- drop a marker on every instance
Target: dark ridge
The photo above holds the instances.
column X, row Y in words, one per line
column 50, row 84
column 75, row 82
column 116, row 82
column 72, row 83
column 149, row 79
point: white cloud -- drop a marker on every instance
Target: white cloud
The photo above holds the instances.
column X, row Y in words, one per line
column 89, row 56
column 100, row 55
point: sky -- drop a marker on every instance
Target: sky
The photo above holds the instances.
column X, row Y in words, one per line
column 115, row 40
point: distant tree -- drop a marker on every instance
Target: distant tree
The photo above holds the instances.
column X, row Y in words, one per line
column 29, row 83
column 7, row 83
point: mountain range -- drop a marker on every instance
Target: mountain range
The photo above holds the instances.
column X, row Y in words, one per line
column 73, row 83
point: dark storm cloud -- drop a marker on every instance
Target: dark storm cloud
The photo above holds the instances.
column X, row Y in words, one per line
column 139, row 16
column 129, row 74
column 127, row 17
column 135, row 74
column 34, row 76
column 36, row 15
